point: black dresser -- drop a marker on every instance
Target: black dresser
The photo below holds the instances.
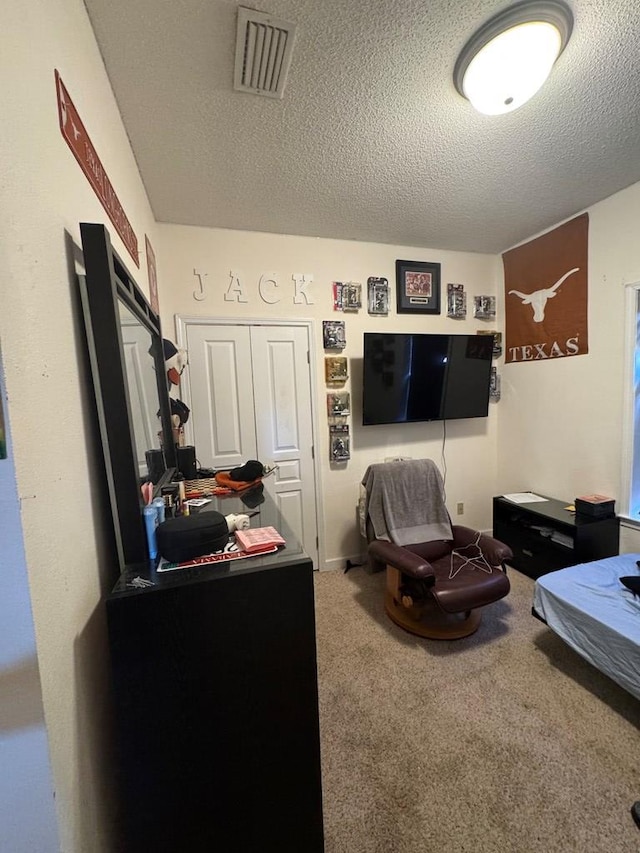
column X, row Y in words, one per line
column 545, row 536
column 215, row 683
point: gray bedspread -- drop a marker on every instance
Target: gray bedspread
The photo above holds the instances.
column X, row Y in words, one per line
column 405, row 501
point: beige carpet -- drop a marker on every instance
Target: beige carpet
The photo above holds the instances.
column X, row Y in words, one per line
column 505, row 742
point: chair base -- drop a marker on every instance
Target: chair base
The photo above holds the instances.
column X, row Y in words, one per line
column 426, row 619
column 431, row 622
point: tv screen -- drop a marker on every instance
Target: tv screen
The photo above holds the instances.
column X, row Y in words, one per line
column 420, row 377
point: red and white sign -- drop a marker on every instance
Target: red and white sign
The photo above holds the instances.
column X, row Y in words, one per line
column 78, row 141
column 152, row 272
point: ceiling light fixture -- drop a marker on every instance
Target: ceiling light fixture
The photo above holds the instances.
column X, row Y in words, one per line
column 509, row 58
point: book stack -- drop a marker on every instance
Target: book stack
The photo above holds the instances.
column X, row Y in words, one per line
column 596, row 506
column 256, row 540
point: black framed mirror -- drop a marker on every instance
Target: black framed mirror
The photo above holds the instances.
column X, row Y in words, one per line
column 127, row 363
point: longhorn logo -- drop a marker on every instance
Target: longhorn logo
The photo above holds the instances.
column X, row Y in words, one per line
column 538, row 299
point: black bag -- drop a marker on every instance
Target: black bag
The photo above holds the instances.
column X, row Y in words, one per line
column 248, row 472
column 190, row 536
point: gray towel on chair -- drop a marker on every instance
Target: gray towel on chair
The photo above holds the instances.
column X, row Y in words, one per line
column 405, row 502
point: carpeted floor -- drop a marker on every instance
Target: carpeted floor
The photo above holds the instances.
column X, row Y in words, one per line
column 503, row 742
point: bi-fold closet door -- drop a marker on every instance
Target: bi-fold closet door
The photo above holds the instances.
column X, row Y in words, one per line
column 250, row 398
column 143, row 387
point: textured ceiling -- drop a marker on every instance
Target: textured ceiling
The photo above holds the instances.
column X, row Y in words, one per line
column 371, row 141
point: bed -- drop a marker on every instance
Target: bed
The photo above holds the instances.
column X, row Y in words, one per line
column 596, row 615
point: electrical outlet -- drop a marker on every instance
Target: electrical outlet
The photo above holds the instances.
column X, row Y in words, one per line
column 460, row 508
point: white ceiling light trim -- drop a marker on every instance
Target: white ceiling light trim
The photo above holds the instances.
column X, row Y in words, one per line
column 508, row 60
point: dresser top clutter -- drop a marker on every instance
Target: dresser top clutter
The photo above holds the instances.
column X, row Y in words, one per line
column 141, row 577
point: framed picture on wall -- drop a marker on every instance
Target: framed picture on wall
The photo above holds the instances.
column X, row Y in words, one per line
column 417, row 287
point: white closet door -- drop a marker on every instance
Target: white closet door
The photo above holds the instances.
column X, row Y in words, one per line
column 282, row 397
column 222, row 410
column 251, row 399
column 143, row 389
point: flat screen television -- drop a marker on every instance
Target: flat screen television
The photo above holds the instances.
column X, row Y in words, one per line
column 420, row 377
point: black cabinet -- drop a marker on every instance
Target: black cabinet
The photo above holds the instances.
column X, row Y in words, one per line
column 545, row 535
column 215, row 685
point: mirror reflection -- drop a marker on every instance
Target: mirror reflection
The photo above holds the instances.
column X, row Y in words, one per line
column 142, row 385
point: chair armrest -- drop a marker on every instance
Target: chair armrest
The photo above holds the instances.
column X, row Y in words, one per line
column 400, row 558
column 494, row 551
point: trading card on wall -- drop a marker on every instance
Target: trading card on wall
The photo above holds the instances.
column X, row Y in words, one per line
column 351, row 296
column 494, row 385
column 484, row 307
column 335, row 369
column 337, row 288
column 497, row 340
column 339, row 443
column 377, row 296
column 338, row 404
column 456, row 301
column 333, row 334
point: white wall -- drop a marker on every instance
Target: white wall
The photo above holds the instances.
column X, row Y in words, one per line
column 560, row 430
column 470, row 445
column 27, row 812
column 43, row 197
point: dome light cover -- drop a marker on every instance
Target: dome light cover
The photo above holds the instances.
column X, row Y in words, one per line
column 508, row 60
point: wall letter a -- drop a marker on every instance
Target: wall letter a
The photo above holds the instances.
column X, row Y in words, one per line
column 235, row 293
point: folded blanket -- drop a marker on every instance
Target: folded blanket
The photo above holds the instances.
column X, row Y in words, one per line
column 405, row 502
column 223, row 478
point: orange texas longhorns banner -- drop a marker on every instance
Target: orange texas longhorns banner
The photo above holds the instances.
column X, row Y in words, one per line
column 545, row 283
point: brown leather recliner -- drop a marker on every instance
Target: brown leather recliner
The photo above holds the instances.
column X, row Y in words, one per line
column 436, row 588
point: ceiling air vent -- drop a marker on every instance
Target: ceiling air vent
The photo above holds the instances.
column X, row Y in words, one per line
column 263, row 53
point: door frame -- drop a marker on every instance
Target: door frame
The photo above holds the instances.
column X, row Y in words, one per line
column 183, row 321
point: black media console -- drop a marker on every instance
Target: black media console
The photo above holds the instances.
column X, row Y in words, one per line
column 545, row 536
